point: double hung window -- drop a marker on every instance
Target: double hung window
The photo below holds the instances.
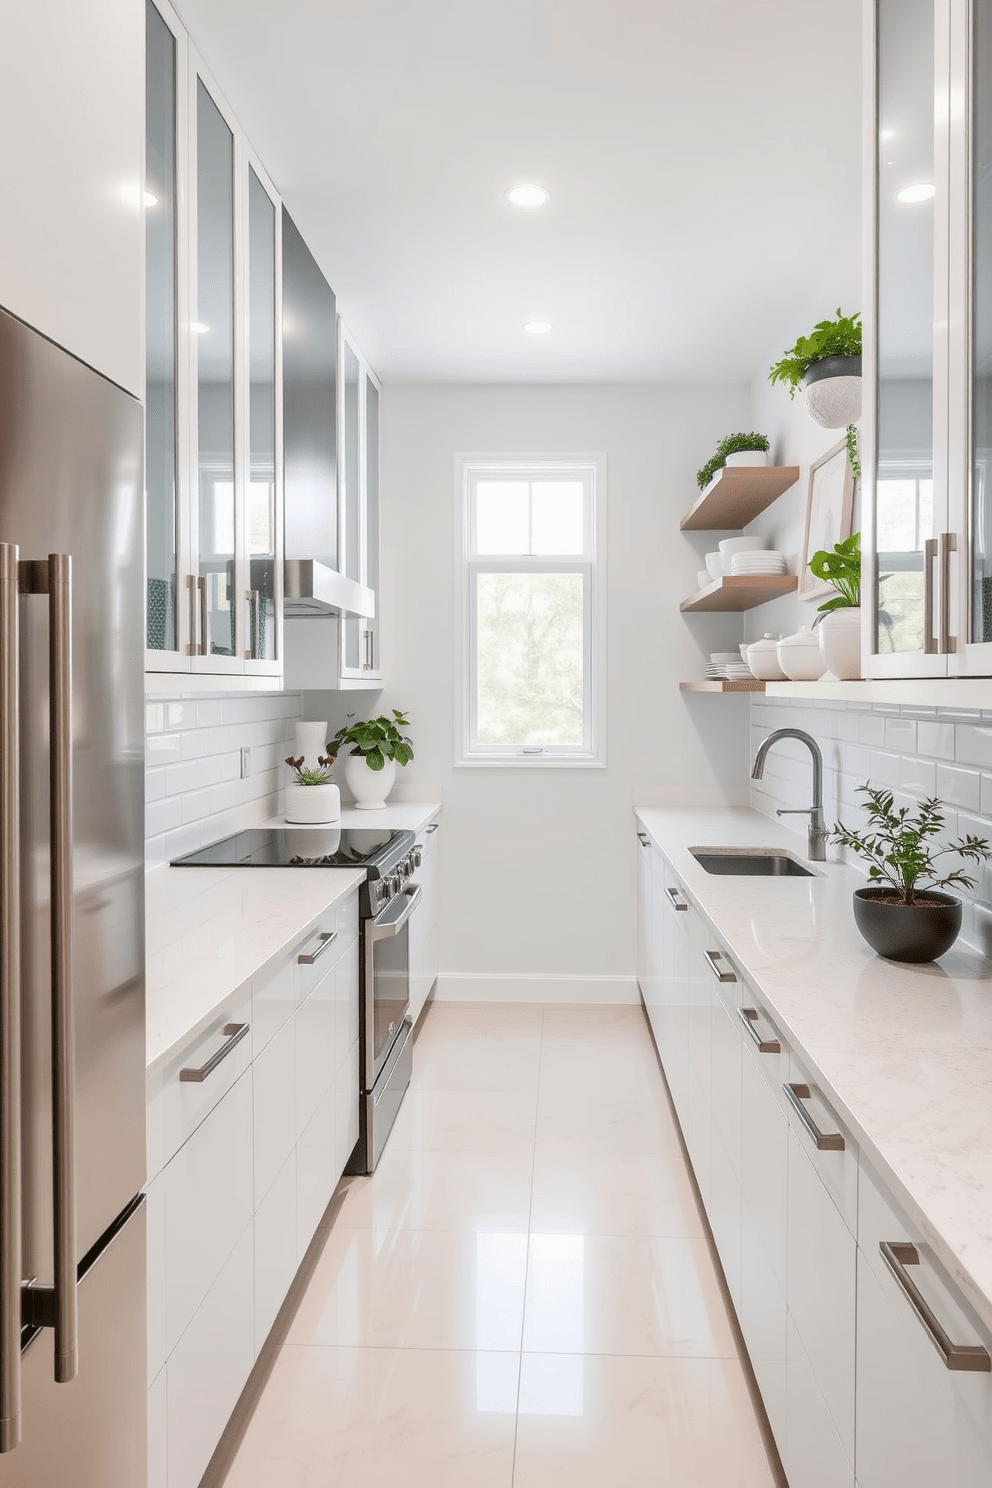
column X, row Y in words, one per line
column 530, row 566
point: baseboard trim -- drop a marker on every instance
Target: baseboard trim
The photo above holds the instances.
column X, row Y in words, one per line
column 457, row 986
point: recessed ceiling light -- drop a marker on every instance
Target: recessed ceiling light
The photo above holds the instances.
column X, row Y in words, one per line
column 150, row 199
column 919, row 193
column 527, row 196
column 537, row 327
column 198, row 328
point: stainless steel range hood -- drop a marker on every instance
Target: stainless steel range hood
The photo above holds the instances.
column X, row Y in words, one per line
column 312, row 589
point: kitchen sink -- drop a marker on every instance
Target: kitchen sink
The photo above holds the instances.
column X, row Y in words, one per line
column 761, row 862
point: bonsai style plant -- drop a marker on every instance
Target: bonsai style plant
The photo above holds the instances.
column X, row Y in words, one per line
column 903, row 914
column 840, row 629
column 733, row 444
column 377, row 747
column 829, row 355
column 312, row 796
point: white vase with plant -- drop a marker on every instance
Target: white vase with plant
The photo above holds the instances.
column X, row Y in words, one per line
column 312, row 796
column 377, row 747
column 840, row 628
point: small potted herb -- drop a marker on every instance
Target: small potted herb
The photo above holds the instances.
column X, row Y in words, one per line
column 903, row 913
column 840, row 628
column 312, row 796
column 826, row 364
column 735, row 449
column 377, row 747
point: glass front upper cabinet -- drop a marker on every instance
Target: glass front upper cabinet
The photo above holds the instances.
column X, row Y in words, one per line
column 358, row 500
column 162, row 484
column 909, row 484
column 264, row 596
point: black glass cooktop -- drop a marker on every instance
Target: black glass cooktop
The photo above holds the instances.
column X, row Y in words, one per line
column 302, row 847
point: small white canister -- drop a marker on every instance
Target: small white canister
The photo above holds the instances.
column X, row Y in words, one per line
column 800, row 656
column 762, row 658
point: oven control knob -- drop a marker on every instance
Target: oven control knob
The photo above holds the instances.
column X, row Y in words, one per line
column 417, row 857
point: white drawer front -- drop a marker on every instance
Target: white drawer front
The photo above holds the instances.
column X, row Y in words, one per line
column 274, row 1110
column 275, row 1249
column 185, row 1104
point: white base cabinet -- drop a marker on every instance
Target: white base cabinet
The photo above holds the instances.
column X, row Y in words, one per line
column 424, row 938
column 855, row 1391
column 243, row 1165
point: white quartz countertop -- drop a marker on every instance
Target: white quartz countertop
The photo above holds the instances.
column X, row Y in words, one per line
column 902, row 1052
column 396, row 816
column 211, row 931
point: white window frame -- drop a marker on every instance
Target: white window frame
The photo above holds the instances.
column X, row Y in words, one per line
column 591, row 468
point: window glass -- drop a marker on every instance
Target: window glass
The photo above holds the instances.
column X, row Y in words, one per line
column 529, row 639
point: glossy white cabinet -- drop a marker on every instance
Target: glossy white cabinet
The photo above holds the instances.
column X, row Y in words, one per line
column 72, row 118
column 424, row 933
column 252, row 1156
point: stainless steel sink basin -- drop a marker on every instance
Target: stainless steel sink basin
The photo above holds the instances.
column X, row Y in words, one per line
column 761, row 862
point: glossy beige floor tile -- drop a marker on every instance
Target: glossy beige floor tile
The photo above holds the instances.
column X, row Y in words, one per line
column 619, row 1294
column 460, row 1121
column 442, row 1191
column 483, row 1019
column 425, row 1289
column 379, row 1418
column 468, row 1063
column 588, row 1422
column 640, row 1194
column 603, row 1123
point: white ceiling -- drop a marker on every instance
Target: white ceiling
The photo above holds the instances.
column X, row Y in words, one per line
column 703, row 158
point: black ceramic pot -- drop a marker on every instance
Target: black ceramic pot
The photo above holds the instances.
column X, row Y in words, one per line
column 908, row 932
column 832, row 366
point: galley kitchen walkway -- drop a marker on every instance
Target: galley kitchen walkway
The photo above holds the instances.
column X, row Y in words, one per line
column 523, row 1293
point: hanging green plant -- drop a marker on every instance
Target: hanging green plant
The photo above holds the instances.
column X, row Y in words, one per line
column 828, row 338
column 852, row 451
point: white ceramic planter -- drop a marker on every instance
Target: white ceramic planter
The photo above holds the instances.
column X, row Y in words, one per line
column 800, row 657
column 369, row 787
column 748, row 457
column 834, row 402
column 840, row 643
column 312, row 803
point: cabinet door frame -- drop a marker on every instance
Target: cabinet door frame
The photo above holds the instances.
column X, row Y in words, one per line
column 366, row 673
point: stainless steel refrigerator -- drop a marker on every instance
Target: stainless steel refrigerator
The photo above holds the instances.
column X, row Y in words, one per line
column 72, row 1045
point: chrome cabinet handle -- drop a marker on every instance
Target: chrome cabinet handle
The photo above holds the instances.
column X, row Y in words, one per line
column 644, row 840
column 63, row 1012
column 389, row 923
column 722, row 976
column 749, row 1017
column 947, row 545
column 673, row 895
column 930, row 642
column 824, row 1141
column 10, row 1009
column 432, row 828
column 969, row 1357
column 192, row 649
column 233, row 1034
column 201, row 584
column 253, row 598
column 326, row 939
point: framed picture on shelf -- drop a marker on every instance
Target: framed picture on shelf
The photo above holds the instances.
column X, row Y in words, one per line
column 829, row 508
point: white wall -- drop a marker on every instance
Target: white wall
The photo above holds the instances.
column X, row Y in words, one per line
column 538, row 867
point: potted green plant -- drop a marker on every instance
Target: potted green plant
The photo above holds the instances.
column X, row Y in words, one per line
column 840, row 628
column 827, row 365
column 903, row 913
column 377, row 747
column 312, row 796
column 735, row 449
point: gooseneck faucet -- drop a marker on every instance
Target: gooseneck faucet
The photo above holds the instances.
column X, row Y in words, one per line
column 817, row 849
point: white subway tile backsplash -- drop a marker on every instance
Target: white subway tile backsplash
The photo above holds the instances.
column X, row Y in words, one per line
column 918, row 775
column 884, row 768
column 900, row 735
column 194, row 792
column 872, row 730
column 959, row 787
column 935, row 740
column 974, row 745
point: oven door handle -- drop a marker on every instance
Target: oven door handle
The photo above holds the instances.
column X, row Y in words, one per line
column 396, row 914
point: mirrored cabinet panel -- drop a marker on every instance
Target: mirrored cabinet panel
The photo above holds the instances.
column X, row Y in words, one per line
column 262, row 507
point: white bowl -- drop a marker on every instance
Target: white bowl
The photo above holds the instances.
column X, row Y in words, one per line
column 703, row 578
column 714, row 565
column 732, row 545
column 723, row 656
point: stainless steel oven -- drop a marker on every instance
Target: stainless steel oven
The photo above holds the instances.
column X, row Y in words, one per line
column 386, row 1026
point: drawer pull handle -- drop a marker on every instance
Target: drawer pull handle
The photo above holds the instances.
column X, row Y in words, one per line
column 749, row 1017
column 825, row 1141
column 677, row 903
column 432, row 828
column 963, row 1356
column 722, row 976
column 643, row 840
column 327, row 938
column 233, row 1034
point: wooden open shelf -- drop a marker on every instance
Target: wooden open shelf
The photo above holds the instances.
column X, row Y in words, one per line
column 737, row 494
column 745, row 685
column 739, row 592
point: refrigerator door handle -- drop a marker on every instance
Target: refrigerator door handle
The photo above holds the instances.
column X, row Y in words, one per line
column 10, row 1009
column 57, row 1306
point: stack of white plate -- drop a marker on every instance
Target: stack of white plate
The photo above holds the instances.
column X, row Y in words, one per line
column 726, row 666
column 746, row 564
